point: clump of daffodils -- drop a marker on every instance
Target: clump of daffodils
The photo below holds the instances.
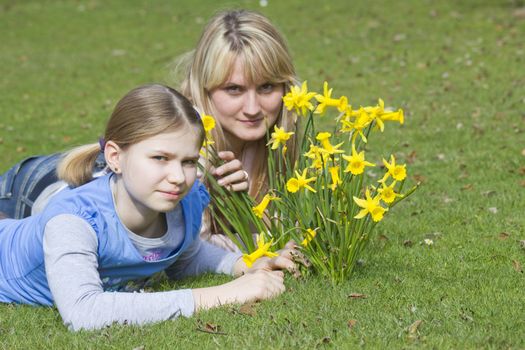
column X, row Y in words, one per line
column 324, row 200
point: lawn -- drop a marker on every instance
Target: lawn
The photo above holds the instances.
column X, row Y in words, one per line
column 456, row 68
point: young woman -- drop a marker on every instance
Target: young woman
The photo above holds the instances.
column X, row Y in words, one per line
column 238, row 73
column 140, row 218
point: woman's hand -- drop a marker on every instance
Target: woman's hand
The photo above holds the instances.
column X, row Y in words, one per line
column 231, row 174
column 249, row 287
column 288, row 259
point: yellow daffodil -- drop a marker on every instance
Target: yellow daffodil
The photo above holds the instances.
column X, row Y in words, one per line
column 299, row 99
column 398, row 172
column 356, row 162
column 279, row 136
column 296, row 183
column 208, row 122
column 326, row 100
column 334, row 174
column 324, row 138
column 310, row 234
column 380, row 115
column 318, row 155
column 261, row 207
column 262, row 250
column 361, row 120
column 388, row 195
column 370, row 206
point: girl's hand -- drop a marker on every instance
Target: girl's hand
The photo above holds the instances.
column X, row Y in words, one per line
column 288, row 259
column 255, row 286
column 231, row 174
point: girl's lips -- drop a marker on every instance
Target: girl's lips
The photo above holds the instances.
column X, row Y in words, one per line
column 172, row 194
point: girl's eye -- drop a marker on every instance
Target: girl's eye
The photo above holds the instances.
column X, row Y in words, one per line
column 266, row 88
column 160, row 158
column 190, row 162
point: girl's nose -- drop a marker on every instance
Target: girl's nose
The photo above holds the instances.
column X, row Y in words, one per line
column 176, row 174
column 251, row 107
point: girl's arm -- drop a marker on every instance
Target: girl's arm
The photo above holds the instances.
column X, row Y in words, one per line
column 71, row 262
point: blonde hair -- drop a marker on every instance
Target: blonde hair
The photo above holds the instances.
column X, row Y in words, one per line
column 143, row 112
column 252, row 38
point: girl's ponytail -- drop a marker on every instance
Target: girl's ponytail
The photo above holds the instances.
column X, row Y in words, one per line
column 76, row 167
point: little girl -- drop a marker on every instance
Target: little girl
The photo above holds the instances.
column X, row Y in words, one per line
column 140, row 218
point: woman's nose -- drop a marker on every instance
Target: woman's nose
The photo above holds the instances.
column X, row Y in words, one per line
column 251, row 107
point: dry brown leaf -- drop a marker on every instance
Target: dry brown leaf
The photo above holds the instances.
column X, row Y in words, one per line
column 503, row 236
column 522, row 243
column 519, row 12
column 351, row 323
column 210, row 328
column 407, row 243
column 382, row 238
column 411, row 158
column 521, row 170
column 357, row 296
column 20, row 149
column 248, row 309
column 523, row 152
column 467, row 187
column 412, row 330
column 522, row 183
column 516, row 265
column 420, row 178
column 488, row 193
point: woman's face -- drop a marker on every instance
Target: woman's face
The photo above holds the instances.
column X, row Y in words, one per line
column 241, row 107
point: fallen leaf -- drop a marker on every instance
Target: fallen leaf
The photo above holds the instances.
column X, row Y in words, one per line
column 440, row 156
column 412, row 330
column 523, row 152
column 407, row 243
column 467, row 187
column 419, row 178
column 411, row 158
column 382, row 238
column 522, row 170
column 357, row 296
column 493, row 210
column 516, row 265
column 20, row 149
column 142, row 347
column 488, row 193
column 503, row 236
column 519, row 12
column 522, row 243
column 351, row 323
column 210, row 328
column 522, row 183
column 447, row 200
column 248, row 309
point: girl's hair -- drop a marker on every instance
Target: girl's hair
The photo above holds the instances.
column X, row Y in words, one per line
column 262, row 49
column 142, row 113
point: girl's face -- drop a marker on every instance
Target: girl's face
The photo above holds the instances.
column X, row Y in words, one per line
column 241, row 107
column 157, row 172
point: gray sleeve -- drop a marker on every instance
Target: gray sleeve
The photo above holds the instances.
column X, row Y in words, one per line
column 201, row 257
column 71, row 262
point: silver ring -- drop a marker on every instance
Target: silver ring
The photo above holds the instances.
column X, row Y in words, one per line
column 246, row 176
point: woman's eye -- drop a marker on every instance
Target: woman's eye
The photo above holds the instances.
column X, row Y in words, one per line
column 160, row 158
column 266, row 88
column 233, row 89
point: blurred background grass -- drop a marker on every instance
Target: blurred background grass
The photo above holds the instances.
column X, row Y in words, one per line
column 456, row 68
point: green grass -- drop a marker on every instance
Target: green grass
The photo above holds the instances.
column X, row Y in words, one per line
column 456, row 69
